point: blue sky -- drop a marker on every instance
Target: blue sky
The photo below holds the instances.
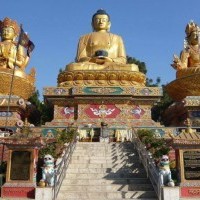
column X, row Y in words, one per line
column 152, row 30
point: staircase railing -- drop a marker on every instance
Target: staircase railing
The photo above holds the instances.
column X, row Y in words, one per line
column 149, row 165
column 61, row 167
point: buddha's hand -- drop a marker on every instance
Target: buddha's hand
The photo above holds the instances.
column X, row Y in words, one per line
column 100, row 59
column 177, row 64
column 11, row 63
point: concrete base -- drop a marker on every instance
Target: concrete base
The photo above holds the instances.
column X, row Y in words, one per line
column 171, row 193
column 44, row 193
column 18, row 190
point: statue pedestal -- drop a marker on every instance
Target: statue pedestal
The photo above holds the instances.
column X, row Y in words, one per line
column 21, row 167
column 185, row 86
column 179, row 111
column 120, row 107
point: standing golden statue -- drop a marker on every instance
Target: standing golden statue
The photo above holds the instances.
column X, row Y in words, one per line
column 101, row 50
column 189, row 61
column 10, row 55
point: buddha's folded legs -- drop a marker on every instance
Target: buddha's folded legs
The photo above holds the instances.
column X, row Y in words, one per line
column 106, row 66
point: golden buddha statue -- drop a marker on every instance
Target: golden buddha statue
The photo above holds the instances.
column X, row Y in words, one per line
column 189, row 61
column 10, row 55
column 101, row 50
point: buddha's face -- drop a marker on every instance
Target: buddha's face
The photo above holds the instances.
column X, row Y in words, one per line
column 194, row 38
column 101, row 22
column 7, row 33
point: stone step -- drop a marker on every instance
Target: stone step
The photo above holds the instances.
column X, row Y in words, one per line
column 105, row 175
column 132, row 170
column 120, row 199
column 101, row 154
column 114, row 147
column 100, row 160
column 107, row 166
column 104, row 152
column 105, row 163
column 108, row 188
column 105, row 195
column 105, row 171
column 113, row 157
column 105, row 145
column 75, row 181
column 111, row 144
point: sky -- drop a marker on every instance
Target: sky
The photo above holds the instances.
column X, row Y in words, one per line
column 152, row 31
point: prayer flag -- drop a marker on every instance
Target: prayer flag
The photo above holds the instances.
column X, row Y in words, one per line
column 26, row 42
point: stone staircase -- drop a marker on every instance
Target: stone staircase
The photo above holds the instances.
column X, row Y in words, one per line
column 101, row 171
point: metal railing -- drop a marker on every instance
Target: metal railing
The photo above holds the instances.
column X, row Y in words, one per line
column 149, row 165
column 61, row 167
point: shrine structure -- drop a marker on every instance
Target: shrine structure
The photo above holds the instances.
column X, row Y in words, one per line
column 185, row 111
column 16, row 85
column 100, row 87
column 185, row 90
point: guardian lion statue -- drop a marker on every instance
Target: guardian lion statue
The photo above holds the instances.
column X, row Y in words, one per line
column 48, row 171
column 165, row 172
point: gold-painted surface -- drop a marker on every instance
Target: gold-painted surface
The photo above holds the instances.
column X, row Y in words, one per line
column 186, row 86
column 23, row 84
column 10, row 54
column 188, row 138
column 101, row 50
column 13, row 57
column 60, row 92
column 101, row 78
column 14, row 101
column 16, row 110
column 189, row 61
column 10, row 122
column 192, row 101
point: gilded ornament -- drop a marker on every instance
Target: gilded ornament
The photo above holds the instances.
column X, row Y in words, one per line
column 189, row 61
column 14, row 57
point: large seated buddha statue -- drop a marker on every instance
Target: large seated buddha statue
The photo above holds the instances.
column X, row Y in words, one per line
column 13, row 61
column 101, row 51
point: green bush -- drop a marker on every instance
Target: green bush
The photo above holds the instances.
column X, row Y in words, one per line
column 157, row 146
column 56, row 147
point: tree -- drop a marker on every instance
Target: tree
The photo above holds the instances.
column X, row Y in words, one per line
column 33, row 109
column 165, row 100
column 141, row 65
column 38, row 112
column 157, row 110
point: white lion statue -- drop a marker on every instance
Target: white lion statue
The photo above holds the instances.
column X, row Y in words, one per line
column 165, row 172
column 48, row 171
